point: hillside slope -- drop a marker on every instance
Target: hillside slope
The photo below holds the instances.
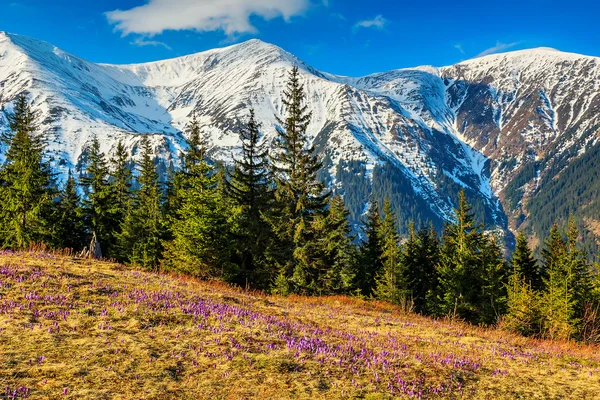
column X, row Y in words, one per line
column 73, row 328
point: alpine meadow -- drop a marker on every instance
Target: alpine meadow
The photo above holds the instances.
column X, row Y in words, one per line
column 237, row 224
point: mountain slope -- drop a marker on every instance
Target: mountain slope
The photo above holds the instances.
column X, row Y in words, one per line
column 73, row 328
column 413, row 135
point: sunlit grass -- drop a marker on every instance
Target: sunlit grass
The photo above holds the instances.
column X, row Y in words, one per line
column 83, row 329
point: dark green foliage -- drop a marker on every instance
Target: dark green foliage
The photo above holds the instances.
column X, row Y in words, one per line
column 26, row 184
column 99, row 211
column 390, row 182
column 526, row 265
column 328, row 259
column 68, row 229
column 300, row 196
column 352, row 177
column 121, row 180
column 369, row 263
column 420, row 256
column 495, row 273
column 249, row 189
column 459, row 269
column 514, row 190
column 200, row 241
column 390, row 285
column 569, row 189
column 142, row 230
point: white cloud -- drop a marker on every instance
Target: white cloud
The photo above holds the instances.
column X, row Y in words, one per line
column 498, row 48
column 230, row 16
column 377, row 23
column 458, row 47
column 144, row 42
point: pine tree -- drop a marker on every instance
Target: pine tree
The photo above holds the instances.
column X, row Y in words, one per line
column 300, row 196
column 140, row 240
column 250, row 189
column 26, row 183
column 459, row 270
column 526, row 265
column 69, row 232
column 389, row 283
column 370, row 265
column 201, row 221
column 99, row 200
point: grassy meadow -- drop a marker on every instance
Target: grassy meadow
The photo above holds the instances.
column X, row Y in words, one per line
column 73, row 328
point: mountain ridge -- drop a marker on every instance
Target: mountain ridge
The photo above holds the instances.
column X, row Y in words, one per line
column 416, row 135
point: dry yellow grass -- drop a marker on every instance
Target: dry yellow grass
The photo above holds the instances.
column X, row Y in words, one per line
column 74, row 328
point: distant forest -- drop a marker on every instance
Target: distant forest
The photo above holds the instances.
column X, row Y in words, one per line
column 270, row 223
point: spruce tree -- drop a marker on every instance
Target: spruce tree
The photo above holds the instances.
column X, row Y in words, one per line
column 553, row 251
column 99, row 200
column 327, row 258
column 370, row 265
column 300, row 195
column 340, row 252
column 68, row 229
column 249, row 188
column 389, row 283
column 140, row 240
column 526, row 265
column 577, row 270
column 121, row 180
column 459, row 269
column 201, row 243
column 494, row 280
column 419, row 258
column 557, row 305
column 26, row 183
column 523, row 313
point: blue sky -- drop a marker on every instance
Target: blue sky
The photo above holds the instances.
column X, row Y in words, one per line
column 349, row 37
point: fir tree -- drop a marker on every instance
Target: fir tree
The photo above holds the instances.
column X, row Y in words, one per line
column 370, row 265
column 69, row 232
column 526, row 265
column 99, row 200
column 26, row 184
column 389, row 283
column 300, row 196
column 249, row 188
column 142, row 230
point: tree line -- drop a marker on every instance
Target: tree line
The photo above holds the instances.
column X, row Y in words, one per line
column 270, row 223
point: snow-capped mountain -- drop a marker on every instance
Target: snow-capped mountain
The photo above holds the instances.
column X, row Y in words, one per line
column 416, row 135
